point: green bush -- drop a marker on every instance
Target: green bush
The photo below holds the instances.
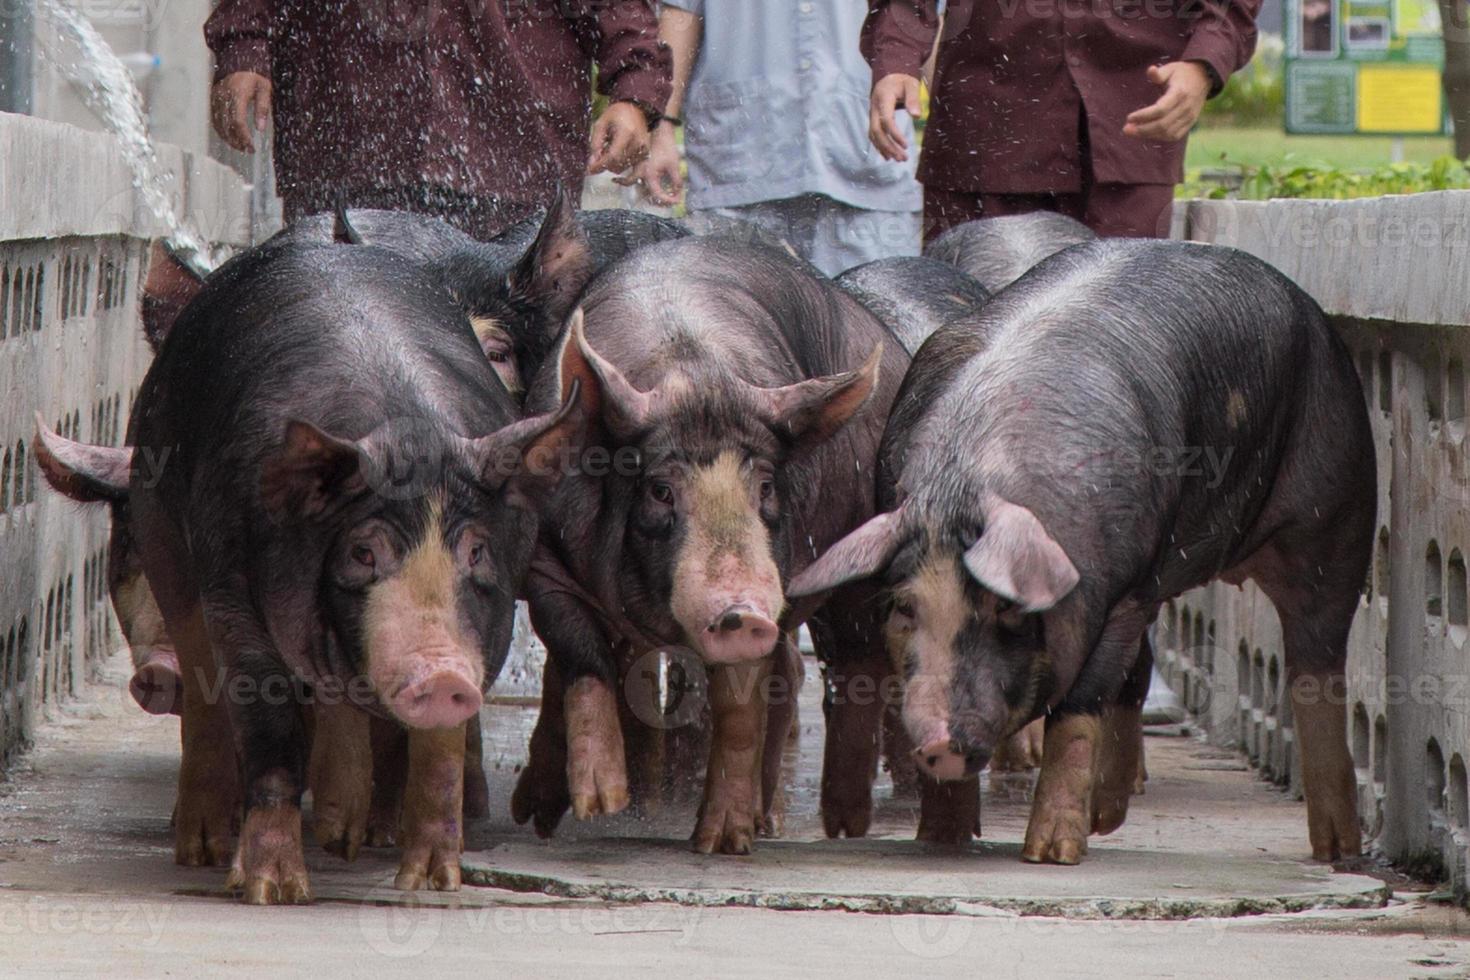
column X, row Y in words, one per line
column 1256, row 94
column 1324, row 181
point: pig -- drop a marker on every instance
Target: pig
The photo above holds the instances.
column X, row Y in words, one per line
column 1141, row 418
column 740, row 400
column 913, row 295
column 516, row 288
column 996, row 251
column 347, row 504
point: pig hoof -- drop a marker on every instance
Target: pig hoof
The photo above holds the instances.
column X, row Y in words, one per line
column 265, row 891
column 437, row 870
column 203, row 840
column 540, row 800
column 1021, row 752
column 382, row 830
column 851, row 821
column 609, row 801
column 341, row 828
column 1057, row 847
column 269, row 867
column 724, row 831
column 1341, row 840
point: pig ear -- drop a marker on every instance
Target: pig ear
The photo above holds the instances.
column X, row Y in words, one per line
column 84, row 473
column 558, row 264
column 527, row 458
column 624, row 409
column 810, row 412
column 1016, row 558
column 864, row 552
column 310, row 472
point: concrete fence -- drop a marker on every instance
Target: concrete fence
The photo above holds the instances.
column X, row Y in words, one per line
column 1394, row 275
column 74, row 240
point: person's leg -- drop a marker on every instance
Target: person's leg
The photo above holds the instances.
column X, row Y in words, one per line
column 1129, row 210
column 845, row 236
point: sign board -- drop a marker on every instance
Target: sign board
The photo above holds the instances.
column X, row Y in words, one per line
column 1364, row 66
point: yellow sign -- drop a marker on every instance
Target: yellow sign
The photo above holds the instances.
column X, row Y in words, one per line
column 1394, row 99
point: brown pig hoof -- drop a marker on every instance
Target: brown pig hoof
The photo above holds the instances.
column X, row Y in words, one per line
column 264, row 891
column 204, row 835
column 270, row 867
column 1021, row 752
column 724, row 830
column 1063, row 840
column 597, row 772
column 434, row 868
column 1342, row 841
column 847, row 821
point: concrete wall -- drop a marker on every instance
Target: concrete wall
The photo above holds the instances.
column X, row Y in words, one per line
column 73, row 255
column 1394, row 275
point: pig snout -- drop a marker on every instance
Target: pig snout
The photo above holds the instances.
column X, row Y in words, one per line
column 945, row 758
column 156, row 683
column 439, row 697
column 739, row 632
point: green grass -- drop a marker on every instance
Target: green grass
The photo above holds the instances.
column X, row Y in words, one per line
column 1252, row 146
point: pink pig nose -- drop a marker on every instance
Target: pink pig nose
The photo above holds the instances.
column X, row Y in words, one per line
column 942, row 760
column 739, row 634
column 441, row 700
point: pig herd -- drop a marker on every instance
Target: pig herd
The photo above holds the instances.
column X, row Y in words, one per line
column 977, row 476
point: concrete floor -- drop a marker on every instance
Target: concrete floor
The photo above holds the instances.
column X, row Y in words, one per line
column 88, row 887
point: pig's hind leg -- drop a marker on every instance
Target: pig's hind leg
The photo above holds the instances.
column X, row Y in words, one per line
column 1314, row 579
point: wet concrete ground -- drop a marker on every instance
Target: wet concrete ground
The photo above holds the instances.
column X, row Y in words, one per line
column 88, row 887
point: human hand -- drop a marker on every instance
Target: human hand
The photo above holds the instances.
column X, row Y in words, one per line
column 619, row 139
column 890, row 92
column 230, row 103
column 659, row 174
column 1186, row 86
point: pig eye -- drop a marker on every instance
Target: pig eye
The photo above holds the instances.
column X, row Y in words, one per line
column 477, row 554
column 767, row 488
column 662, row 492
column 496, row 356
column 904, row 607
column 364, row 556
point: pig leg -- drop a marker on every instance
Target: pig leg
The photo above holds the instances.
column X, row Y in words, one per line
column 784, row 685
column 575, row 649
column 541, row 794
column 208, row 809
column 898, row 748
column 596, row 775
column 1120, row 751
column 476, row 787
column 270, row 737
column 433, row 804
column 390, row 770
column 1316, row 596
column 341, row 778
column 949, row 812
column 852, row 647
column 732, row 783
column 1022, row 750
column 1061, row 813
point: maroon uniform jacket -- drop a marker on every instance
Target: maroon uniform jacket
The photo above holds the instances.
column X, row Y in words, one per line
column 478, row 97
column 1014, row 77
